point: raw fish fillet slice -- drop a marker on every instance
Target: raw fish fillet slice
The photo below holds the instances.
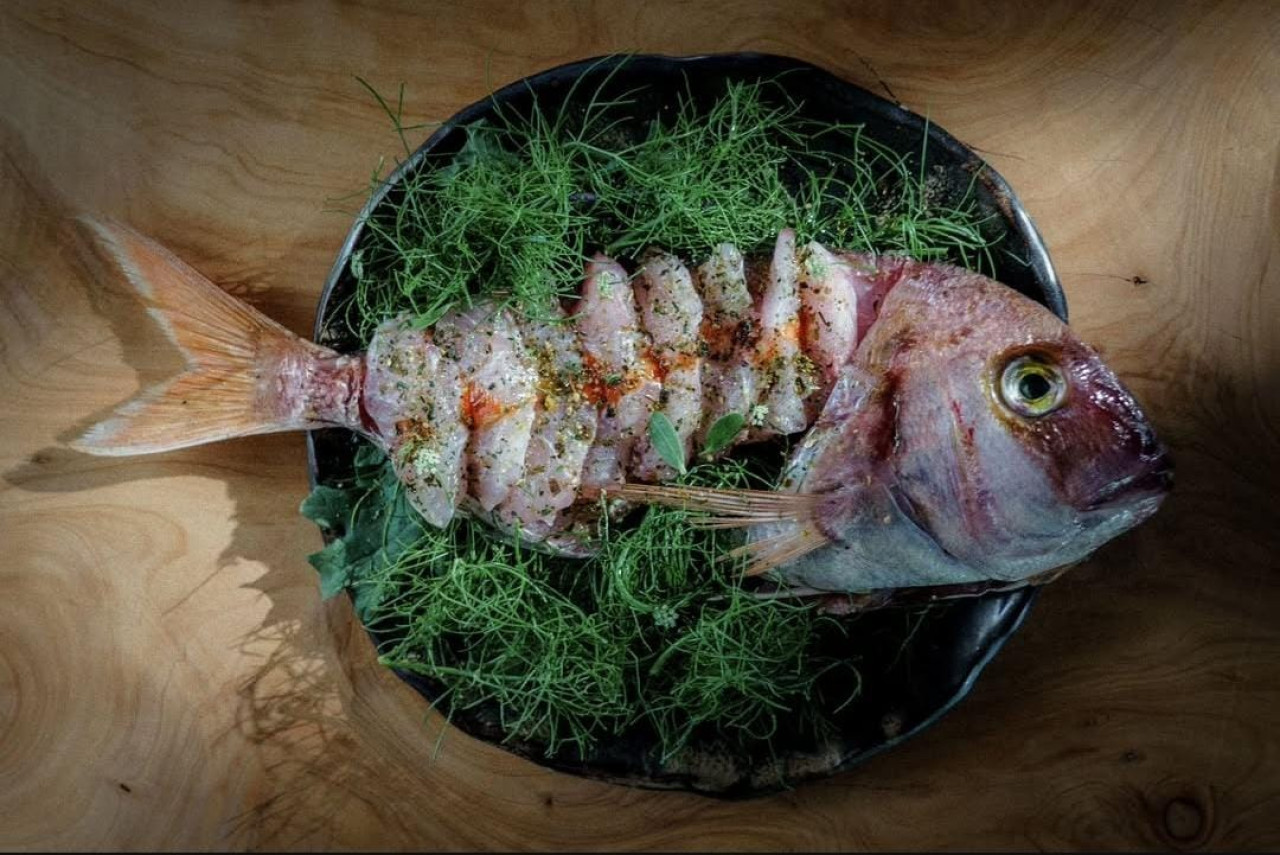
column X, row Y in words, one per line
column 498, row 396
column 672, row 313
column 564, row 428
column 729, row 318
column 784, row 374
column 615, row 353
column 412, row 395
column 828, row 316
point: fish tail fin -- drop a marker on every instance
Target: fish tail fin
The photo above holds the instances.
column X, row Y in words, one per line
column 245, row 374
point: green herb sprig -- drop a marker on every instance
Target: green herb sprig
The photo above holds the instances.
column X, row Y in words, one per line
column 651, row 631
column 515, row 213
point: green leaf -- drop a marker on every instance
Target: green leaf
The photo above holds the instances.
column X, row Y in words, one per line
column 368, row 464
column 367, row 598
column 335, row 572
column 662, row 433
column 368, row 540
column 722, row 432
column 328, row 508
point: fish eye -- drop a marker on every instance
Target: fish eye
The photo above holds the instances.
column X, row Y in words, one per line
column 1032, row 386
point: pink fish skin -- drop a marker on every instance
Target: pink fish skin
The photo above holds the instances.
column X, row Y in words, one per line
column 951, row 432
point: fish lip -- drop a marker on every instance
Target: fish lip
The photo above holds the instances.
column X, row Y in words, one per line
column 1152, row 481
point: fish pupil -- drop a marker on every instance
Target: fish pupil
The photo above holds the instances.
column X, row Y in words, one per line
column 1032, row 387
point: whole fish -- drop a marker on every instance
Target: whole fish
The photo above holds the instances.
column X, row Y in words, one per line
column 955, row 433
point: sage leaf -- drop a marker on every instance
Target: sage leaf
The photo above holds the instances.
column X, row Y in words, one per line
column 662, row 433
column 722, row 432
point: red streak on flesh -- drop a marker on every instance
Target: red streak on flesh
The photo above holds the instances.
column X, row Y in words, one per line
column 595, row 387
column 604, row 388
column 659, row 365
column 808, row 330
column 883, row 432
column 479, row 408
column 656, row 365
column 720, row 338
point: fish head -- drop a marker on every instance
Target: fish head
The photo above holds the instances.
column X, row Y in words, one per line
column 988, row 440
column 1015, row 447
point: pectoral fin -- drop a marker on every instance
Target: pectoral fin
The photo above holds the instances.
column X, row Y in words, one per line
column 791, row 513
column 722, row 508
column 776, row 550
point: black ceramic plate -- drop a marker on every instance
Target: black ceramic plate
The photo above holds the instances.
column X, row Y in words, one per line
column 905, row 686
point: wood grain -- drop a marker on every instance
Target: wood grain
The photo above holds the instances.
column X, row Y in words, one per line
column 168, row 675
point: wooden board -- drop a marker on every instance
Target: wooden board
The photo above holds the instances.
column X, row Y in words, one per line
column 168, row 675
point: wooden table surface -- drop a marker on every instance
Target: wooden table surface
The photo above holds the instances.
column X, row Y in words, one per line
column 168, row 674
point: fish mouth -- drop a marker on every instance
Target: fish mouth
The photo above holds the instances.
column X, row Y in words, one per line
column 1154, row 480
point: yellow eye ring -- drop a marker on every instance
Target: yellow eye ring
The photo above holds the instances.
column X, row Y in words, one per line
column 1032, row 387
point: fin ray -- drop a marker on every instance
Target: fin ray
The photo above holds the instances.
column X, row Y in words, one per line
column 749, row 507
column 728, row 509
column 764, row 555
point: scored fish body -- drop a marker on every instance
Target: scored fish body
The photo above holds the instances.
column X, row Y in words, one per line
column 559, row 411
